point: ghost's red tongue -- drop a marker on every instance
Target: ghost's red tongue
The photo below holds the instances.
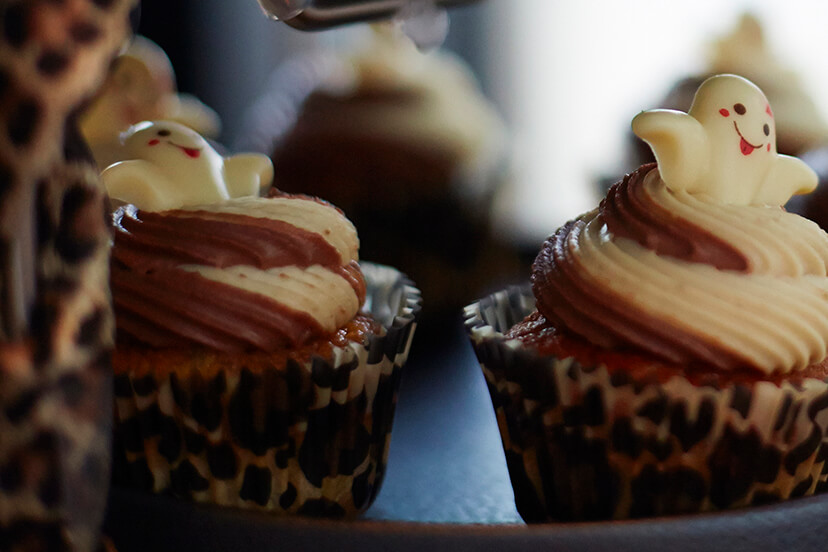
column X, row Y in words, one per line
column 194, row 153
column 746, row 148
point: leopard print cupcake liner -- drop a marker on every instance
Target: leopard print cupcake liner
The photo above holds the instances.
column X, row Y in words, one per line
column 305, row 438
column 583, row 444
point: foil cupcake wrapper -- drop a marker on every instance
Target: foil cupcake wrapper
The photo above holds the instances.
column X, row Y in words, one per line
column 306, row 438
column 582, row 443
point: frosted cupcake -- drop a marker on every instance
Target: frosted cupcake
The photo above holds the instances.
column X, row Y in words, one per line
column 670, row 356
column 249, row 370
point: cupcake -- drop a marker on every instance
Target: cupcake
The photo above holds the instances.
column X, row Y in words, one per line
column 140, row 86
column 257, row 362
column 406, row 145
column 670, row 355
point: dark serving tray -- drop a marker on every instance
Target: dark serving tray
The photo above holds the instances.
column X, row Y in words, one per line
column 447, row 489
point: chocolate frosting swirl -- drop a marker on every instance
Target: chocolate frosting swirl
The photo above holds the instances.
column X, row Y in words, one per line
column 630, row 212
column 253, row 273
column 688, row 279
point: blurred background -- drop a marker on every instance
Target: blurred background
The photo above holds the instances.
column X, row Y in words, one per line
column 566, row 76
column 563, row 80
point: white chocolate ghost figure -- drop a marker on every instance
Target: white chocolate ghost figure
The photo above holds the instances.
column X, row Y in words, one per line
column 725, row 146
column 169, row 166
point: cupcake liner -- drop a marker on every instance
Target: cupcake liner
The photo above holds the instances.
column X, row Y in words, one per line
column 582, row 443
column 303, row 438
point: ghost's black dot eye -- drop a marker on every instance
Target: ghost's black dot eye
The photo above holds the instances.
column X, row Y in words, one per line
column 739, row 108
column 164, row 132
column 766, row 128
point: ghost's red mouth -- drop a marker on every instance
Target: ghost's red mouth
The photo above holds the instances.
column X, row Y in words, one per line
column 191, row 152
column 744, row 146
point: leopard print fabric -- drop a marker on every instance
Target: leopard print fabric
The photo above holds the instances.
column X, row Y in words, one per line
column 56, row 323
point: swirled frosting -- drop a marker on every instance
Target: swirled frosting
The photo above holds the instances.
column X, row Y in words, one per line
column 200, row 259
column 242, row 274
column 689, row 279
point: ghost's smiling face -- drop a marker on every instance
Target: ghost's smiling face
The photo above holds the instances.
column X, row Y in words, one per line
column 749, row 145
column 165, row 143
column 736, row 115
column 163, row 136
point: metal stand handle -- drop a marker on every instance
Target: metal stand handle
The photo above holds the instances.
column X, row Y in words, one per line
column 313, row 15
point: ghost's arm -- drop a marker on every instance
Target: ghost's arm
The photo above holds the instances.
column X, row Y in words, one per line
column 133, row 182
column 679, row 143
column 788, row 176
column 247, row 174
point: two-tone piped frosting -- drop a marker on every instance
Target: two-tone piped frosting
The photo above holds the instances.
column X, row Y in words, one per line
column 219, row 267
column 694, row 261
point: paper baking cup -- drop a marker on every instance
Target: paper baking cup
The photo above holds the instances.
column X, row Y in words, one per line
column 302, row 438
column 583, row 444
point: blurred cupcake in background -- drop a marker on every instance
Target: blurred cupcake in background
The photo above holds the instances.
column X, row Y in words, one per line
column 407, row 146
column 140, row 86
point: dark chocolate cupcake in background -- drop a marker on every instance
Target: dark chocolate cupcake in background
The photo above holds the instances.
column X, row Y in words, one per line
column 257, row 361
column 670, row 355
column 405, row 144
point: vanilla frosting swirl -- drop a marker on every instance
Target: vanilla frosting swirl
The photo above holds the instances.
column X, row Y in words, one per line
column 242, row 274
column 689, row 279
